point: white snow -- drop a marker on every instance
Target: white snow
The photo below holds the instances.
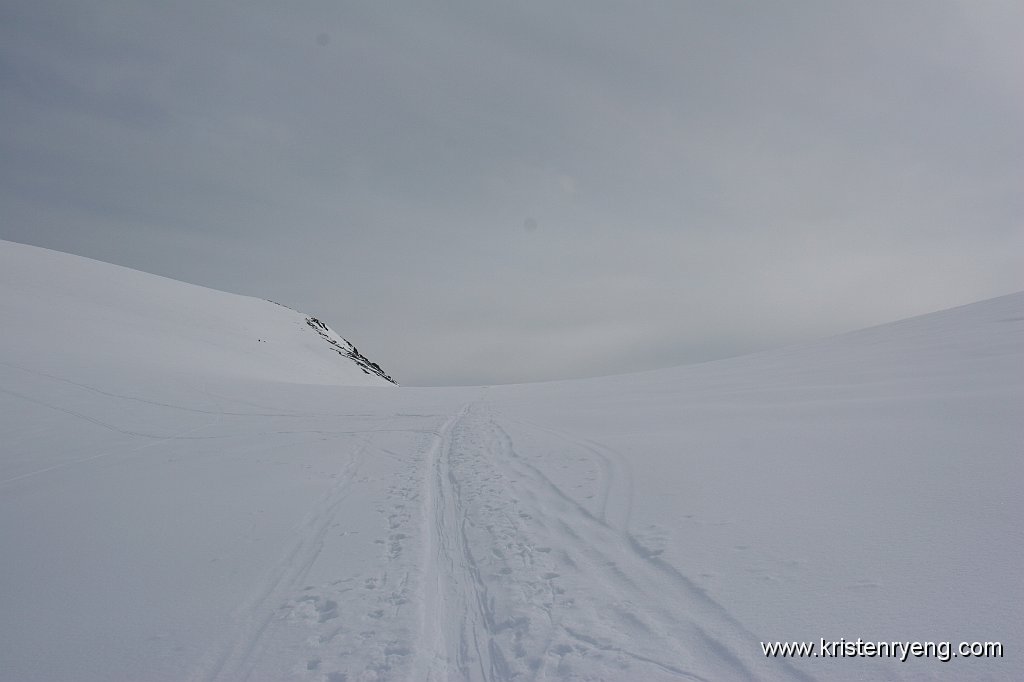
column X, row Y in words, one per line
column 66, row 311
column 193, row 488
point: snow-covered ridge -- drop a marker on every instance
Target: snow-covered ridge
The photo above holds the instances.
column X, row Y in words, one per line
column 62, row 309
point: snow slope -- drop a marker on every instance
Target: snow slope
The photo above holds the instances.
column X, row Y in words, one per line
column 201, row 517
column 64, row 310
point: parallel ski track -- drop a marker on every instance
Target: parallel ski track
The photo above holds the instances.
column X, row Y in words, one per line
column 517, row 580
column 254, row 616
column 454, row 595
column 523, row 582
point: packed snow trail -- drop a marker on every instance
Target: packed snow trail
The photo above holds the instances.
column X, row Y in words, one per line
column 489, row 571
column 532, row 584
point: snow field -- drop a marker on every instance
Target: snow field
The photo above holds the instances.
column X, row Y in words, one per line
column 173, row 506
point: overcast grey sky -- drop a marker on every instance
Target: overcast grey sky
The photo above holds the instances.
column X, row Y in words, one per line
column 484, row 193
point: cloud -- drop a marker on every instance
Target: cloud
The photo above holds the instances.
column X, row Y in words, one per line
column 477, row 194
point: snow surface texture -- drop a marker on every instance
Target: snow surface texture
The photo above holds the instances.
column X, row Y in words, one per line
column 174, row 507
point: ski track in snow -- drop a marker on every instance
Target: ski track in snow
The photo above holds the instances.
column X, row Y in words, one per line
column 517, row 580
column 240, row 660
column 489, row 571
column 151, row 438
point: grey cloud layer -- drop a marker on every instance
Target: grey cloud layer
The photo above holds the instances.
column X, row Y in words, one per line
column 479, row 194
